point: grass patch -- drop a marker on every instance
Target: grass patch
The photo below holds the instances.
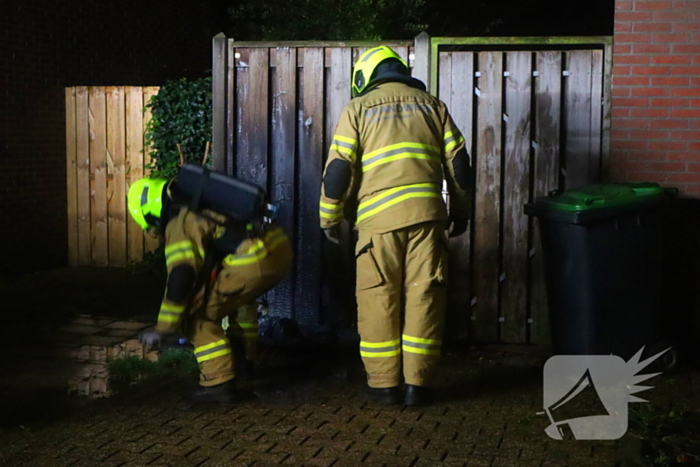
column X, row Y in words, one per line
column 670, row 438
column 172, row 364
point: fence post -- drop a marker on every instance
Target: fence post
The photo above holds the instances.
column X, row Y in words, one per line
column 218, row 121
column 421, row 65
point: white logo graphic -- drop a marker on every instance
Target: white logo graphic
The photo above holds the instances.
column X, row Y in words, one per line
column 586, row 396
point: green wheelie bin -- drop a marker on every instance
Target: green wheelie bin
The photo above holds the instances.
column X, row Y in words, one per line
column 602, row 249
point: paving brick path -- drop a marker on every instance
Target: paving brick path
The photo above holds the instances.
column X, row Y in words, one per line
column 487, row 418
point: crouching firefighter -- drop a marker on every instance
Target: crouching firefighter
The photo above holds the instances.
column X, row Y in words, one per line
column 222, row 251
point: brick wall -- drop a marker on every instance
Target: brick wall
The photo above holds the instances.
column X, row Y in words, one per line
column 46, row 46
column 656, row 93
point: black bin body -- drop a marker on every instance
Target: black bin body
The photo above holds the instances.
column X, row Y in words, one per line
column 602, row 249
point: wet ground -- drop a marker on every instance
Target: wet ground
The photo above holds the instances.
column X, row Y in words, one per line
column 305, row 408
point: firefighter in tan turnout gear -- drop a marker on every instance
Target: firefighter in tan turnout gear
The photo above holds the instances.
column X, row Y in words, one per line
column 392, row 147
column 207, row 283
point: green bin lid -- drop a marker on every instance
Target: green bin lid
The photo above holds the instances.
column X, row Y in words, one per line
column 591, row 197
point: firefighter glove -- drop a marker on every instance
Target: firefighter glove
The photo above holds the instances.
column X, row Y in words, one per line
column 333, row 234
column 150, row 338
column 457, row 226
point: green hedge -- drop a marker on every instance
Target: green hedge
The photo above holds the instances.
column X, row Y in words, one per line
column 181, row 114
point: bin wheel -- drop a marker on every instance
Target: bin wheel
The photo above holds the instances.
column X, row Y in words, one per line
column 666, row 362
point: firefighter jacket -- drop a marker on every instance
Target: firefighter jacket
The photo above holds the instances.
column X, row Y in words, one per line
column 188, row 236
column 391, row 150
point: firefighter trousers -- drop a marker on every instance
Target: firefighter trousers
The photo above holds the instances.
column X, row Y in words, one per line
column 401, row 293
column 242, row 279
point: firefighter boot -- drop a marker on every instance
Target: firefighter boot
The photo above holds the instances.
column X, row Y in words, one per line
column 418, row 395
column 386, row 396
column 224, row 393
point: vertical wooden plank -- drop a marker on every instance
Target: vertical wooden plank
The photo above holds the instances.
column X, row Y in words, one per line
column 453, row 310
column 339, row 91
column 71, row 177
column 307, row 297
column 577, row 108
column 545, row 179
column 241, row 98
column 98, row 176
column 134, row 160
column 82, row 143
column 116, row 176
column 595, row 167
column 488, row 203
column 421, row 66
column 462, row 110
column 518, row 99
column 151, row 242
column 607, row 111
column 251, row 157
column 339, row 260
column 357, row 52
column 219, row 101
column 283, row 165
column 229, row 165
column 403, row 53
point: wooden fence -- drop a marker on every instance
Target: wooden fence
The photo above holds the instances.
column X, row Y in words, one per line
column 536, row 111
column 104, row 154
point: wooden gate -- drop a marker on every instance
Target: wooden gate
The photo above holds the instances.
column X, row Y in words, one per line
column 537, row 121
column 275, row 109
column 536, row 111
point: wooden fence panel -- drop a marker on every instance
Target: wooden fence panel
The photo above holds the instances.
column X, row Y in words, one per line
column 339, row 264
column 496, row 286
column 116, row 179
column 578, row 106
column 488, row 197
column 134, row 159
column 516, row 193
column 252, row 132
column 595, row 163
column 105, row 141
column 457, row 91
column 71, row 177
column 283, row 163
column 546, row 178
column 307, row 296
column 82, row 137
column 98, row 176
column 151, row 242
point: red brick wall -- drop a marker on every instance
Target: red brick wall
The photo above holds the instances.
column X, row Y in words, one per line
column 656, row 93
column 46, row 46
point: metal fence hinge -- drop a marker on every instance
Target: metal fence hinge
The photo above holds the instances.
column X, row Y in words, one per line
column 530, row 321
column 477, row 92
column 565, row 73
column 502, row 277
column 473, row 302
column 501, row 319
column 477, row 74
column 532, row 253
column 534, row 144
column 472, row 318
column 535, row 73
column 506, row 74
column 563, row 171
column 505, row 117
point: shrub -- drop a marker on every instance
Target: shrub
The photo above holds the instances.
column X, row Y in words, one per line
column 181, row 115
